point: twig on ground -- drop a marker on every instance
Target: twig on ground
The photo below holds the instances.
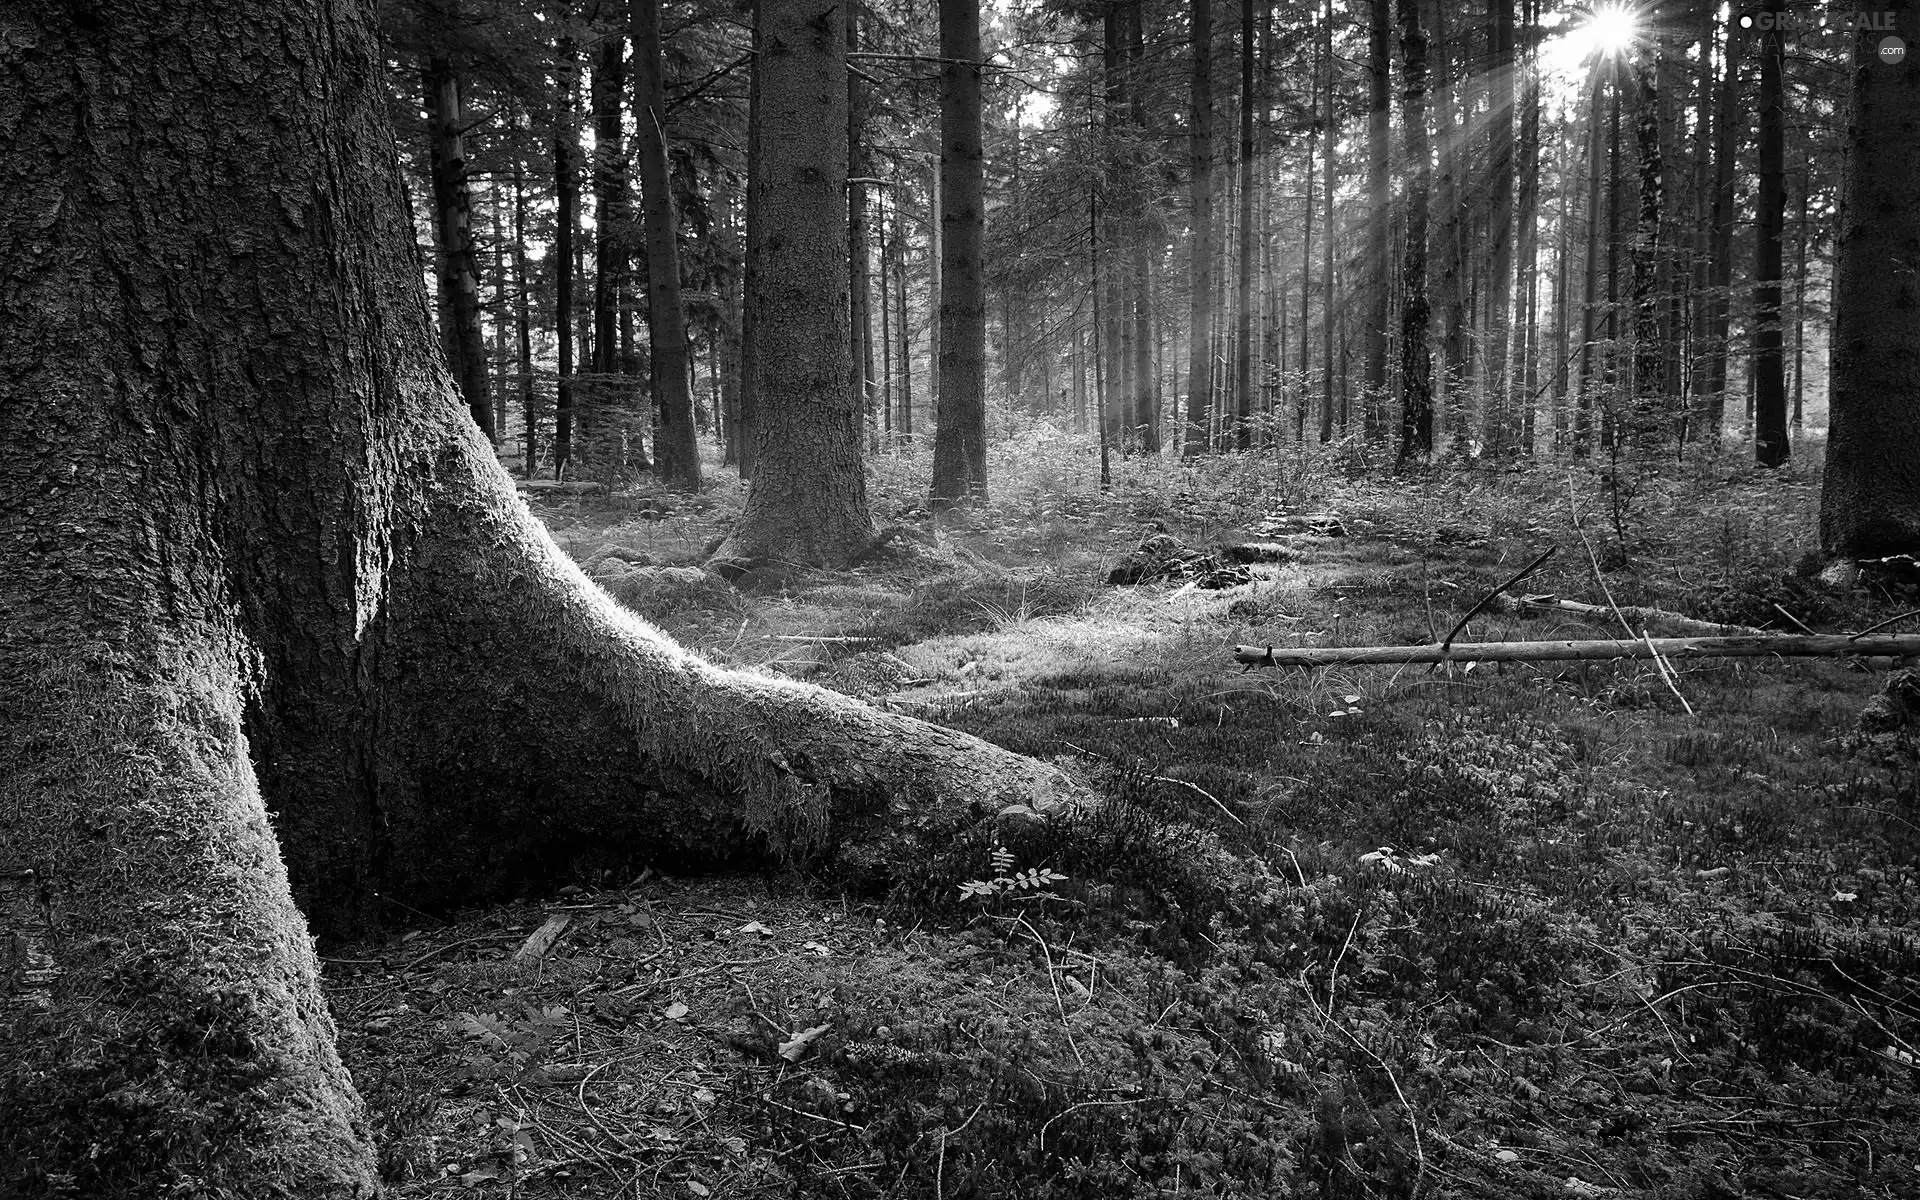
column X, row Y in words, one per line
column 1053, row 982
column 1666, row 671
column 1789, row 616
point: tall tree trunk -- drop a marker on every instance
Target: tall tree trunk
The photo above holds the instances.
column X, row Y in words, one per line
column 859, row 269
column 1870, row 492
column 1500, row 438
column 566, row 186
column 1327, row 283
column 808, row 502
column 1145, row 418
column 1770, row 444
column 1416, row 364
column 905, row 424
column 676, row 449
column 1379, row 208
column 298, row 615
column 1528, row 351
column 1200, row 238
column 746, row 413
column 523, row 320
column 610, row 216
column 453, row 225
column 1649, row 351
column 1243, row 315
column 1719, row 302
column 1590, row 274
column 886, row 325
column 960, row 434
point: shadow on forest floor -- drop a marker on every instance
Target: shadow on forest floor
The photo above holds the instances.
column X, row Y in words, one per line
column 1506, row 930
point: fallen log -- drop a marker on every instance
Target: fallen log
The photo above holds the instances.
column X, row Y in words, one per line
column 1897, row 645
column 1634, row 613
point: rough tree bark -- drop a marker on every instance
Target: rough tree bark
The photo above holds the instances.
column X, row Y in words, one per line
column 1416, row 359
column 960, row 423
column 808, row 503
column 676, row 451
column 1243, row 280
column 1870, row 494
column 266, row 596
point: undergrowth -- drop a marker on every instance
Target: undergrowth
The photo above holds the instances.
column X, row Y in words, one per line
column 1492, row 930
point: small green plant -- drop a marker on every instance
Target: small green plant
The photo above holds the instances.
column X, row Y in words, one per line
column 1007, row 881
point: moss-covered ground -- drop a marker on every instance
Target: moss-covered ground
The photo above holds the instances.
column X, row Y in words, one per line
column 1499, row 930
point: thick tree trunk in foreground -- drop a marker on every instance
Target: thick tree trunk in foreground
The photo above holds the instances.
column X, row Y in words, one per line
column 960, row 421
column 676, row 451
column 257, row 565
column 808, row 502
column 1870, row 495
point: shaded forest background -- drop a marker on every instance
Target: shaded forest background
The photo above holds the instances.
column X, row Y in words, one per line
column 1197, row 229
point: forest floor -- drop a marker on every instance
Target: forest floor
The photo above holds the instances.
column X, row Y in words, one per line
column 1499, row 930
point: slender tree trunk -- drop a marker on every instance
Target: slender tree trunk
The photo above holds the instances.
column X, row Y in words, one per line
column 1200, row 252
column 1770, row 443
column 1326, row 239
column 1243, row 330
column 886, row 327
column 960, row 434
column 1649, row 349
column 1719, row 302
column 1379, row 210
column 1416, row 364
column 1590, row 275
column 746, row 413
column 610, row 216
column 1870, row 491
column 453, row 224
column 676, row 448
column 808, row 502
column 1499, row 427
column 523, row 320
column 859, row 269
column 905, row 425
column 1528, row 356
column 566, row 184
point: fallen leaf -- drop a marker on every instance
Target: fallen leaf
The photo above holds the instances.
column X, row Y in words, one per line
column 1838, row 898
column 703, row 1095
column 817, row 948
column 698, row 1188
column 755, row 927
column 675, row 1011
column 1506, row 1156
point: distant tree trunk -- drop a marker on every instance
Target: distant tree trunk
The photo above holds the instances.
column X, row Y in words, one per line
column 960, row 434
column 1499, row 427
column 294, row 636
column 676, row 448
column 566, row 186
column 610, row 216
column 1243, row 316
column 1528, row 356
column 905, row 422
column 1649, row 352
column 1379, row 210
column 1590, row 274
column 1327, row 282
column 1145, row 417
column 1725, row 213
column 1416, row 364
column 859, row 270
column 453, row 225
column 523, row 319
column 886, row 325
column 1770, row 444
column 808, row 502
column 1200, row 241
column 746, row 415
column 1870, row 493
